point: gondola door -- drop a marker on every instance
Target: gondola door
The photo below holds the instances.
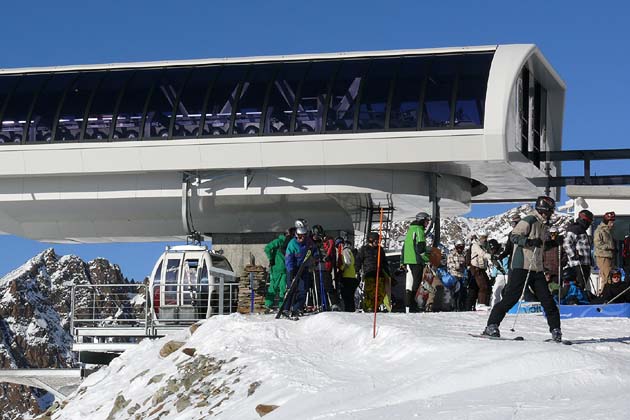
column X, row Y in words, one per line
column 170, row 298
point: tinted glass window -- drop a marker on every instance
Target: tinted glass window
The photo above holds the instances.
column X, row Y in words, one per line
column 46, row 107
column 171, row 279
column 439, row 92
column 129, row 117
column 191, row 101
column 222, row 100
column 282, row 97
column 102, row 108
column 471, row 90
column 19, row 105
column 343, row 96
column 310, row 110
column 162, row 101
column 7, row 84
column 158, row 274
column 73, row 108
column 252, row 97
column 409, row 84
column 220, row 262
column 375, row 93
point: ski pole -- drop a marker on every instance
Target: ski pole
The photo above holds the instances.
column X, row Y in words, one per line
column 518, row 308
column 559, row 274
column 613, row 299
column 321, row 289
column 378, row 268
column 291, row 290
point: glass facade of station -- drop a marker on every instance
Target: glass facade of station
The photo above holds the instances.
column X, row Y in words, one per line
column 421, row 92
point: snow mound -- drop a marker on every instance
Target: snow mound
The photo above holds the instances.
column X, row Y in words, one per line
column 329, row 366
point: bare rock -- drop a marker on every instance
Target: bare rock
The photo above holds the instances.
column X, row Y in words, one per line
column 119, row 403
column 253, row 387
column 170, row 347
column 194, row 327
column 189, row 351
column 264, row 409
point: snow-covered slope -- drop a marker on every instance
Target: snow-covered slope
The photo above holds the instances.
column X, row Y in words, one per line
column 328, row 366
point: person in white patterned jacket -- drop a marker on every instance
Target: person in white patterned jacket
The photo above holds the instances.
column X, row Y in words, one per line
column 577, row 248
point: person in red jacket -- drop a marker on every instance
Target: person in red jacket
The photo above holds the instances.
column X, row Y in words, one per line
column 324, row 269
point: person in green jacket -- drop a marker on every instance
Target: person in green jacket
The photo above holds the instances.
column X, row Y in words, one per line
column 414, row 257
column 275, row 251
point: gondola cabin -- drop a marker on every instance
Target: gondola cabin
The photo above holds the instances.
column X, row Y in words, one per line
column 191, row 282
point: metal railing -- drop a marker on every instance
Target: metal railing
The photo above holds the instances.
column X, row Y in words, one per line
column 122, row 313
column 106, row 305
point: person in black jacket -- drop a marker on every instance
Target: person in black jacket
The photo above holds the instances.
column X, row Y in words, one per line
column 618, row 290
column 367, row 262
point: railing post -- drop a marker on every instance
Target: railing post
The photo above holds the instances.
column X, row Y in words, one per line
column 147, row 307
column 72, row 297
column 221, row 293
column 251, row 288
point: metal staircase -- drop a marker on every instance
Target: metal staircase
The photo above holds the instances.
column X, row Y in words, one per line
column 373, row 214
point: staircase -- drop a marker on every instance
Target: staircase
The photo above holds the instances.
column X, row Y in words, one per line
column 373, row 214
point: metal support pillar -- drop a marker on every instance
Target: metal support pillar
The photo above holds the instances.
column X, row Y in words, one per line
column 435, row 199
column 187, row 221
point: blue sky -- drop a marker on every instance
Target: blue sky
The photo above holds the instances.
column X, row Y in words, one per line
column 587, row 44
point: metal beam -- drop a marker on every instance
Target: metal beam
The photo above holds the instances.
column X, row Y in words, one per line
column 563, row 181
column 59, row 382
column 573, row 155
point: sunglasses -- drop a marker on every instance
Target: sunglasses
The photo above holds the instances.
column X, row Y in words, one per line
column 300, row 236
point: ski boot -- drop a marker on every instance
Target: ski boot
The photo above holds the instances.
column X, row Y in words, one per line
column 556, row 335
column 492, row 330
column 292, row 315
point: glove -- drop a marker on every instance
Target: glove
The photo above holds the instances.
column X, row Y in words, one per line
column 326, row 258
column 536, row 242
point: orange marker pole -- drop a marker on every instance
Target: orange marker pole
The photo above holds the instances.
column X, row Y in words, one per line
column 378, row 268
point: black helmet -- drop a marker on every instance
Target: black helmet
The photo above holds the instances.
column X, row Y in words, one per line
column 318, row 230
column 493, row 245
column 545, row 205
column 585, row 218
column 568, row 273
column 372, row 237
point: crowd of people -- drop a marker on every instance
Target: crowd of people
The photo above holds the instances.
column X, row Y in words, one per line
column 536, row 263
column 327, row 272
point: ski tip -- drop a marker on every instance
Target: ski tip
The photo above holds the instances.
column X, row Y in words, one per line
column 519, row 338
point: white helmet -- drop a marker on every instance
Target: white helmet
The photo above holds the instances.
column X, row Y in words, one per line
column 482, row 233
column 301, row 227
column 459, row 242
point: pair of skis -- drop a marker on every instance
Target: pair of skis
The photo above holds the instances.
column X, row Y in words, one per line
column 289, row 295
column 519, row 338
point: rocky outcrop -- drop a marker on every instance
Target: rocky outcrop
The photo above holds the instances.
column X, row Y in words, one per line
column 35, row 304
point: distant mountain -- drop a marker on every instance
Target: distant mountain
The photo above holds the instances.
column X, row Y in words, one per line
column 454, row 228
column 35, row 304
